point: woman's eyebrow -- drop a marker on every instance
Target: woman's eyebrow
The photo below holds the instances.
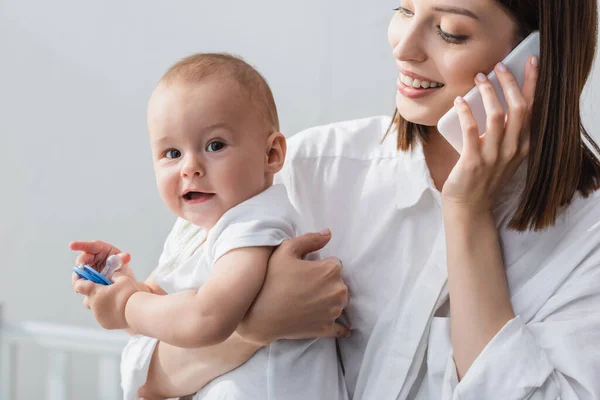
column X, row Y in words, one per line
column 456, row 10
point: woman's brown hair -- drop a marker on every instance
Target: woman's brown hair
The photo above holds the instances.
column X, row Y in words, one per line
column 559, row 162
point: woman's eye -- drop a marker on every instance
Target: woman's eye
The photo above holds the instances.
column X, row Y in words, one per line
column 215, row 146
column 452, row 39
column 172, row 153
column 404, row 11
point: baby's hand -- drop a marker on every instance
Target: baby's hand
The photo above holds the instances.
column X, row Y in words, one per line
column 108, row 302
column 95, row 253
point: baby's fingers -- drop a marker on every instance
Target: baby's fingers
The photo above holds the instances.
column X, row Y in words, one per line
column 74, row 278
column 85, row 259
column 125, row 258
column 93, row 247
column 84, row 287
column 82, row 246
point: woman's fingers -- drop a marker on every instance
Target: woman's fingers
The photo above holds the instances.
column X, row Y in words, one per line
column 531, row 78
column 529, row 87
column 516, row 114
column 336, row 330
column 468, row 124
column 307, row 243
column 494, row 123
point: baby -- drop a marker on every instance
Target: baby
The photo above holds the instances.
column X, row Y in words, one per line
column 216, row 146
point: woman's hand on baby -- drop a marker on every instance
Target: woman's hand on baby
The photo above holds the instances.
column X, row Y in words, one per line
column 299, row 299
column 488, row 162
column 108, row 302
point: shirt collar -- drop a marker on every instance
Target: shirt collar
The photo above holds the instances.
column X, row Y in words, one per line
column 413, row 179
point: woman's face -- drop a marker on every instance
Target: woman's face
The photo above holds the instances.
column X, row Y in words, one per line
column 439, row 46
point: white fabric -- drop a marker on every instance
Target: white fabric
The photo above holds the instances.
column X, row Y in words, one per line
column 386, row 220
column 286, row 369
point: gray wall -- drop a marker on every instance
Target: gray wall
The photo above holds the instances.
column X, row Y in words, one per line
column 74, row 80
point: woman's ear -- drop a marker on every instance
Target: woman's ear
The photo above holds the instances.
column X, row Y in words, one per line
column 276, row 149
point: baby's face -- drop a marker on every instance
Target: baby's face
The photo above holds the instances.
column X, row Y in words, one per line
column 207, row 141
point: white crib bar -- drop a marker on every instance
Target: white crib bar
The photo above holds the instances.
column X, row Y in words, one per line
column 108, row 378
column 8, row 364
column 57, row 375
column 61, row 341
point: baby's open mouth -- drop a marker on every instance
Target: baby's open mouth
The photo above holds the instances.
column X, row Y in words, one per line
column 191, row 196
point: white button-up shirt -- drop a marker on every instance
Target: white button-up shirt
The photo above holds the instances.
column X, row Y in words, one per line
column 386, row 220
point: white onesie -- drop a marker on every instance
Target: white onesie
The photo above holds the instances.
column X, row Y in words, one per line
column 283, row 370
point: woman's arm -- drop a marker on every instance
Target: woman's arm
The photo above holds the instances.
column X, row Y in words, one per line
column 299, row 299
column 551, row 353
column 176, row 371
column 479, row 299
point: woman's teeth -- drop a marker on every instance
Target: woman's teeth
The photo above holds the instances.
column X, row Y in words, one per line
column 416, row 83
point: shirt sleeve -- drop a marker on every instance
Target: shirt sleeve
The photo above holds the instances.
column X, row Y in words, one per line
column 264, row 220
column 555, row 356
column 135, row 362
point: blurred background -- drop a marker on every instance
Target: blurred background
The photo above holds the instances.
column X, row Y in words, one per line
column 74, row 81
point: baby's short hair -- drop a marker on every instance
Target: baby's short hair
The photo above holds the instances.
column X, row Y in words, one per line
column 198, row 67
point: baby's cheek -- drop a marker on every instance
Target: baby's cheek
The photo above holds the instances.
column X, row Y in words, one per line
column 168, row 191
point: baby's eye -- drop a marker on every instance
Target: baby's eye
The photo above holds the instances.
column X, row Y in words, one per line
column 173, row 153
column 215, row 146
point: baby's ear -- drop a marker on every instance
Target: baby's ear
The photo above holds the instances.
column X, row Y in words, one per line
column 276, row 149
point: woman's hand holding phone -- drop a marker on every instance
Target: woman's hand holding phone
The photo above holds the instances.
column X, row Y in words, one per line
column 449, row 125
column 488, row 162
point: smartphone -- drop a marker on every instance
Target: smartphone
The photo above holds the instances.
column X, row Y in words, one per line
column 449, row 125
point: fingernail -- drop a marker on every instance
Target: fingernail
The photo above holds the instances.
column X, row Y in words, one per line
column 501, row 67
column 535, row 61
column 481, row 77
column 325, row 232
column 459, row 100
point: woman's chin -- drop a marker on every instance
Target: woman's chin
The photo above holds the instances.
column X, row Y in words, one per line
column 419, row 119
column 417, row 113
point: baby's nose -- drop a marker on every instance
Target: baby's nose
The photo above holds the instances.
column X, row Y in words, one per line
column 192, row 168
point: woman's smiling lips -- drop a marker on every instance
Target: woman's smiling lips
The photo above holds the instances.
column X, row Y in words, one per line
column 415, row 86
column 414, row 93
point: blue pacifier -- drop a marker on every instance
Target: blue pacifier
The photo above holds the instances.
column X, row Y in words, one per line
column 113, row 263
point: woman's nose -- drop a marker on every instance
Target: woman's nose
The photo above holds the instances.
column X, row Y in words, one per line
column 407, row 40
column 192, row 167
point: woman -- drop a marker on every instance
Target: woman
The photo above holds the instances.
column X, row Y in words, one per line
column 472, row 276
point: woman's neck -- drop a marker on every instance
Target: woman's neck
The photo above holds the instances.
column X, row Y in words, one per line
column 440, row 157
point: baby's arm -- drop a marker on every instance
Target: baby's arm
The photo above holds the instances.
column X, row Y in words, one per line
column 207, row 316
column 153, row 287
column 149, row 286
